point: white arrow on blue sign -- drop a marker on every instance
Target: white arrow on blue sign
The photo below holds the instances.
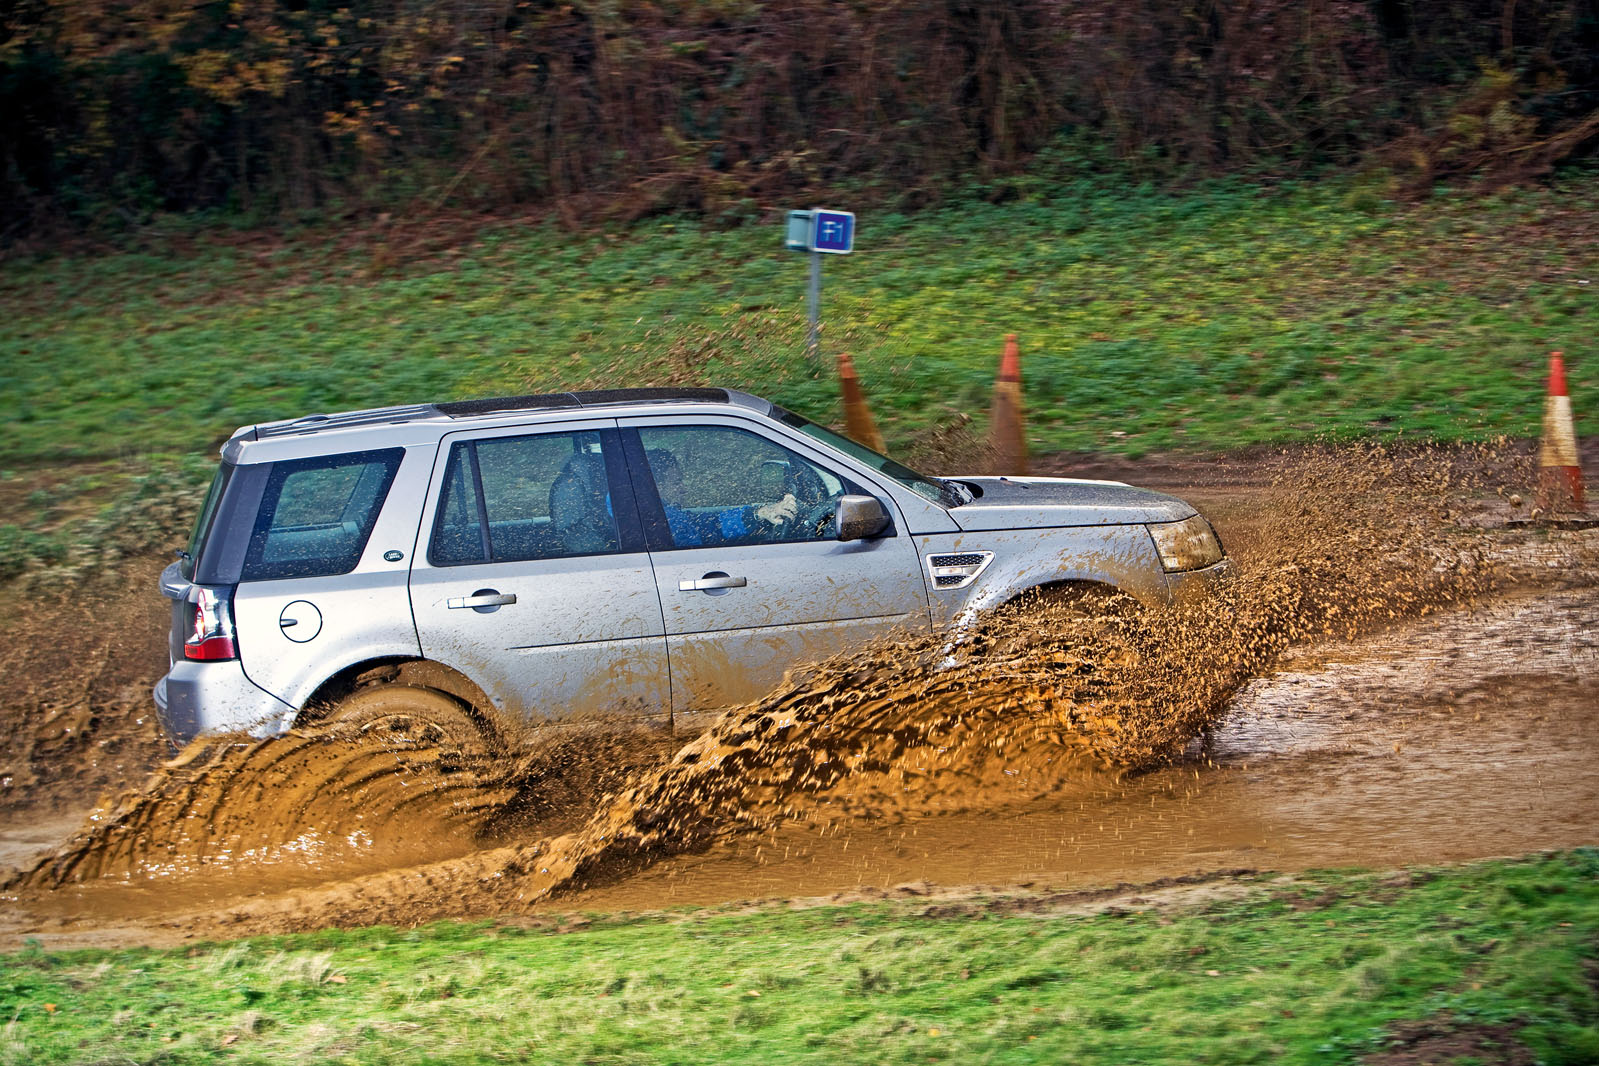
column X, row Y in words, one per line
column 832, row 231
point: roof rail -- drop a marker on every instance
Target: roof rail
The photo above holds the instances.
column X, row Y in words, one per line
column 371, row 416
column 315, row 423
column 591, row 398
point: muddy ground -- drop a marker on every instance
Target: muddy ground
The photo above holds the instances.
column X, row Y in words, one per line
column 1405, row 673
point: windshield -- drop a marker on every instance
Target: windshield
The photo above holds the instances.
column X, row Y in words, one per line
column 944, row 493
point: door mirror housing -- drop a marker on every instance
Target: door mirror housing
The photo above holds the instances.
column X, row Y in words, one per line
column 860, row 517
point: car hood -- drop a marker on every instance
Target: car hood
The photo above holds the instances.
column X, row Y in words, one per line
column 1028, row 502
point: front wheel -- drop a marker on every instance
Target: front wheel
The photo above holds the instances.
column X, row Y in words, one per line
column 1106, row 620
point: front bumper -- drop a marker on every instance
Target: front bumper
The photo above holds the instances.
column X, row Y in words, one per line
column 216, row 697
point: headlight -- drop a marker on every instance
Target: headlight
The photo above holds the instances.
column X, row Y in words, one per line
column 1187, row 545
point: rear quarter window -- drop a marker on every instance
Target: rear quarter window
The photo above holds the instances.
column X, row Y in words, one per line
column 316, row 514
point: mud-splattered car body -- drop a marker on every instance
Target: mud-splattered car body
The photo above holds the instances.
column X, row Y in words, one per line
column 649, row 552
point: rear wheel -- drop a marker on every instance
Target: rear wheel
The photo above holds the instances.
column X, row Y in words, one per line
column 405, row 716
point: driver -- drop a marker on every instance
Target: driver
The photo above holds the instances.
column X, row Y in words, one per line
column 689, row 528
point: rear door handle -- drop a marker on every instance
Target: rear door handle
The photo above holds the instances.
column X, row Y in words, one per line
column 480, row 598
column 714, row 580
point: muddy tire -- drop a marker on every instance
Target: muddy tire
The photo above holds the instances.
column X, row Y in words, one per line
column 1095, row 601
column 408, row 717
column 1107, row 620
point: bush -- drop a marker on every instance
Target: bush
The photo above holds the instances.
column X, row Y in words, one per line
column 112, row 112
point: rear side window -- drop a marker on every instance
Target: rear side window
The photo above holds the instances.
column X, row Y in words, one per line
column 316, row 514
column 507, row 499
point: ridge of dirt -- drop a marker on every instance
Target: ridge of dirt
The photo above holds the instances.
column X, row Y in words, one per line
column 926, row 899
column 1444, row 1039
column 1508, row 464
column 77, row 665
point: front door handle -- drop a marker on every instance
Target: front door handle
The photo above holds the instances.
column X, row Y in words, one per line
column 714, row 580
column 480, row 600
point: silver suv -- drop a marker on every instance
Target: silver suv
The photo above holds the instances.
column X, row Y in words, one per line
column 644, row 551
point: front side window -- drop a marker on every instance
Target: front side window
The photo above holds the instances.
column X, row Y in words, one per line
column 720, row 485
column 507, row 499
column 316, row 514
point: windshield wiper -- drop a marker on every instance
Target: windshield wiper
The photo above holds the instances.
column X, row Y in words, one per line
column 955, row 492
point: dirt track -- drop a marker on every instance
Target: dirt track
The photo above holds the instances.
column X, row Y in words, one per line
column 1398, row 679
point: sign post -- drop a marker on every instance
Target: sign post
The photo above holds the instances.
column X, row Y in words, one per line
column 819, row 231
column 813, row 334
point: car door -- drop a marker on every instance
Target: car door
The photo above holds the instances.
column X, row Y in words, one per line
column 745, row 597
column 535, row 582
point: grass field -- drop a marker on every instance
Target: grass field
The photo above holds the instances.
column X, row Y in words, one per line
column 1323, row 969
column 1225, row 316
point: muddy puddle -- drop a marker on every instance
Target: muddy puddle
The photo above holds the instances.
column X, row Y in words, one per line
column 1390, row 679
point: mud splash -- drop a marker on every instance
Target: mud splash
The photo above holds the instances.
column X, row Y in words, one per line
column 1464, row 735
column 1036, row 701
column 328, row 799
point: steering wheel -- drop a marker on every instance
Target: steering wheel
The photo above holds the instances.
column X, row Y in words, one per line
column 804, row 484
column 812, row 500
column 810, row 519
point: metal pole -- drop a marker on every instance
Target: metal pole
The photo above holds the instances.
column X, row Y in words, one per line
column 813, row 339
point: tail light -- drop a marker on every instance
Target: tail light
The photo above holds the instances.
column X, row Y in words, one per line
column 211, row 634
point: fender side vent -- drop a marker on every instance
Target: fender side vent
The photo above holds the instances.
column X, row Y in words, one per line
column 956, row 570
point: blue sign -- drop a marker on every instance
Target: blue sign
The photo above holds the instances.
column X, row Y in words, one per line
column 832, row 231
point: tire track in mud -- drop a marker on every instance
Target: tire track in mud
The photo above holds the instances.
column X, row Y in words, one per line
column 1012, row 711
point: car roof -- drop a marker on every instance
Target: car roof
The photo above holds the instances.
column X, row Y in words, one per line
column 425, row 423
column 594, row 401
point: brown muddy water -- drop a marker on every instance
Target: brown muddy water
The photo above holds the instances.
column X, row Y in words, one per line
column 1460, row 737
column 1393, row 678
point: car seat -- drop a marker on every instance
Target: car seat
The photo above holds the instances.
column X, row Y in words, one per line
column 579, row 511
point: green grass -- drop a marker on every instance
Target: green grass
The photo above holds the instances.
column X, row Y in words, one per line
column 1319, row 970
column 1225, row 316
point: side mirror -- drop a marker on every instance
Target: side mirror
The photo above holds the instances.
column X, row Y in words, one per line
column 859, row 517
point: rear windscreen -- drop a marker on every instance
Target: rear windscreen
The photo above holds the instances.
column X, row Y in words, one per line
column 316, row 514
column 202, row 525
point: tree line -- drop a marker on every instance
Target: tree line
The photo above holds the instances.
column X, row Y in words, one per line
column 112, row 110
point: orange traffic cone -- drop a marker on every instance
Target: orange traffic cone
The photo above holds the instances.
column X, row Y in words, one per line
column 1005, row 418
column 1560, row 470
column 857, row 416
